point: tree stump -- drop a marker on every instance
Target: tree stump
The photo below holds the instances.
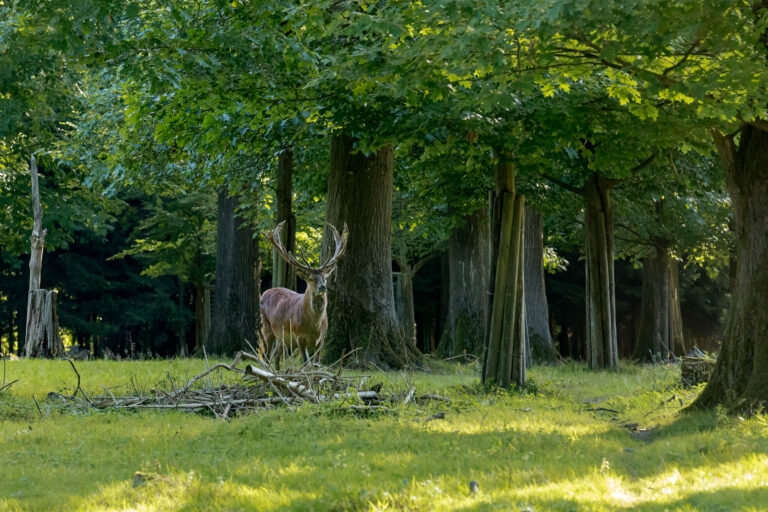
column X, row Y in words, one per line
column 695, row 370
column 42, row 336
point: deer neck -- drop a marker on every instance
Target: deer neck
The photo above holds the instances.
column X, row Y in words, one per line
column 314, row 303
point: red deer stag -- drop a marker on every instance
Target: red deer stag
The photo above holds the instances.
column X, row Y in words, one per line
column 298, row 319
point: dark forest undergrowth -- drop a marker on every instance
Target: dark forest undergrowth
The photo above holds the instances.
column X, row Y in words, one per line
column 575, row 440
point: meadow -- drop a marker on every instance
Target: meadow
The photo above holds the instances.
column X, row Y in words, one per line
column 573, row 440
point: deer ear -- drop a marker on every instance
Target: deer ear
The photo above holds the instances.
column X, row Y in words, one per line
column 328, row 274
column 301, row 274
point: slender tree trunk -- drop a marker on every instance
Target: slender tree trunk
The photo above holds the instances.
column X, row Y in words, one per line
column 539, row 338
column 677, row 340
column 361, row 306
column 504, row 351
column 283, row 274
column 602, row 342
column 183, row 306
column 740, row 379
column 660, row 330
column 236, row 316
column 406, row 315
column 468, row 260
column 202, row 315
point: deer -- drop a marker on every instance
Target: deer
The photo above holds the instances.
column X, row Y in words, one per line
column 298, row 320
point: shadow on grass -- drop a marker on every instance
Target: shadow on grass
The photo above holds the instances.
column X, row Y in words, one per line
column 319, row 462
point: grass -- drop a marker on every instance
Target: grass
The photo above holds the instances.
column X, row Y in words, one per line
column 542, row 449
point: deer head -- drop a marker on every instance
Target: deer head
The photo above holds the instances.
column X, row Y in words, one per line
column 314, row 276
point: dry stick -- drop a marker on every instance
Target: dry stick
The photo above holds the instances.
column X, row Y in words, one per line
column 72, row 363
column 38, row 407
column 9, row 384
column 110, row 394
column 202, row 375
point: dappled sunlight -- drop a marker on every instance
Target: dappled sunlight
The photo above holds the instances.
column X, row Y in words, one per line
column 544, row 450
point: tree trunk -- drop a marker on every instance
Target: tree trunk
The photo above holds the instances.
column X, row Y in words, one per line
column 202, row 315
column 504, row 350
column 660, row 330
column 539, row 338
column 43, row 339
column 236, row 315
column 283, row 274
column 740, row 379
column 361, row 306
column 468, row 260
column 602, row 343
column 183, row 306
column 406, row 315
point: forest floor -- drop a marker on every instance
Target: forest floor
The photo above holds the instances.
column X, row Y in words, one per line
column 574, row 440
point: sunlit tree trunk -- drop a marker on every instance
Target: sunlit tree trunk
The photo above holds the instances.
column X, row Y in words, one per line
column 602, row 342
column 740, row 379
column 504, row 351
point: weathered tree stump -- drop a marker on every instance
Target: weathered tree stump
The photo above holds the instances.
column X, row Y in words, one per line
column 695, row 370
column 43, row 339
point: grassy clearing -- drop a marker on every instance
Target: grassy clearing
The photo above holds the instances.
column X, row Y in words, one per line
column 539, row 450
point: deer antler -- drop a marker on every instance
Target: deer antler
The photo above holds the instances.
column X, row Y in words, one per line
column 341, row 246
column 274, row 237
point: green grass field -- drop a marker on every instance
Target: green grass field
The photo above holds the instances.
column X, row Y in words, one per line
column 540, row 450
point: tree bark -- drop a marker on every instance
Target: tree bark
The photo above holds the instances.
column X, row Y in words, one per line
column 361, row 306
column 468, row 262
column 236, row 315
column 406, row 315
column 538, row 336
column 602, row 342
column 43, row 339
column 660, row 330
column 504, row 350
column 202, row 315
column 283, row 274
column 740, row 379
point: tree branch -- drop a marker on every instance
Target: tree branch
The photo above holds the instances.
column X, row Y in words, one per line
column 566, row 186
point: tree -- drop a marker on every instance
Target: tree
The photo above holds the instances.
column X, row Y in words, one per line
column 539, row 339
column 236, row 316
column 361, row 308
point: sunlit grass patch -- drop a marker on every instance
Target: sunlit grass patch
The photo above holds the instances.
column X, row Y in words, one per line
column 544, row 448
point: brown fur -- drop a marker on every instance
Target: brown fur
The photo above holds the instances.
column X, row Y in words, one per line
column 297, row 319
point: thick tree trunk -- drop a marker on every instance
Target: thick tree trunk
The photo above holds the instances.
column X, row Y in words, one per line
column 602, row 342
column 361, row 306
column 538, row 336
column 740, row 379
column 283, row 274
column 236, row 309
column 660, row 331
column 468, row 261
column 504, row 350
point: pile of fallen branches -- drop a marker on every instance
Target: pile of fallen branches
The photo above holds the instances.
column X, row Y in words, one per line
column 256, row 386
column 228, row 389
